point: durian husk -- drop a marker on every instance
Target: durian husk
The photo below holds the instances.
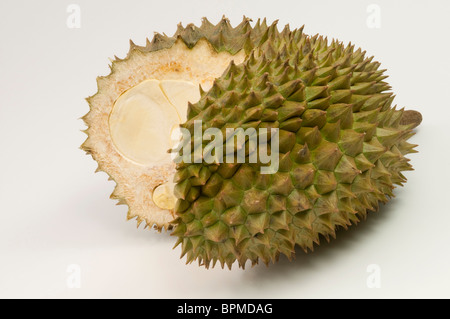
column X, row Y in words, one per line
column 194, row 54
column 343, row 147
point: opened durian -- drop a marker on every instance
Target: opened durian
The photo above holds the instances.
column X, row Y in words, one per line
column 322, row 108
column 138, row 105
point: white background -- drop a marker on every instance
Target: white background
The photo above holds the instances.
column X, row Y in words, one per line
column 56, row 212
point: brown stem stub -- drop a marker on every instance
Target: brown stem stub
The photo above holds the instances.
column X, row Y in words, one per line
column 411, row 117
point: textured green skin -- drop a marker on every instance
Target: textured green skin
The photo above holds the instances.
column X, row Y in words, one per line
column 341, row 151
column 223, row 37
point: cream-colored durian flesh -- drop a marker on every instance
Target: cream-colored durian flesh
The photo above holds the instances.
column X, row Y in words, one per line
column 143, row 118
column 145, row 97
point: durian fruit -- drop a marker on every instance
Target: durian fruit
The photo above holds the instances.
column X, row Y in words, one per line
column 342, row 147
column 138, row 105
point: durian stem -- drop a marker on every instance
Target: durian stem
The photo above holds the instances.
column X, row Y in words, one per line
column 411, row 117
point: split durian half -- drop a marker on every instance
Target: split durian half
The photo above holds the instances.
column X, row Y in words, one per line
column 134, row 115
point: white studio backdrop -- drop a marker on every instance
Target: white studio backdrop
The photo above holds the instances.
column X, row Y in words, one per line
column 60, row 234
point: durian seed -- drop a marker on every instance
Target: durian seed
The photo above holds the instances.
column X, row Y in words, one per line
column 163, row 196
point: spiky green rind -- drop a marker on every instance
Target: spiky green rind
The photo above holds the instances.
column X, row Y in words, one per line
column 222, row 36
column 341, row 151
